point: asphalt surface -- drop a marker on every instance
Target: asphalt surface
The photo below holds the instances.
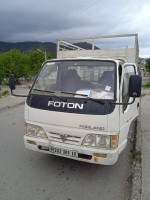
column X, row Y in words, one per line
column 26, row 174
column 145, row 128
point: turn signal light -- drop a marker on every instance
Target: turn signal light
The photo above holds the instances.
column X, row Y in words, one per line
column 114, row 141
column 95, row 159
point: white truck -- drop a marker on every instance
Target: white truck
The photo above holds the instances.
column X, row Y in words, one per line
column 81, row 104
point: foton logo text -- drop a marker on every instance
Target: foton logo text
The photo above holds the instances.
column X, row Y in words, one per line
column 58, row 104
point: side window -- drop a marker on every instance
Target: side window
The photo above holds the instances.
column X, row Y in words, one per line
column 128, row 71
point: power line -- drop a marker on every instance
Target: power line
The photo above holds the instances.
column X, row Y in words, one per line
column 78, row 11
column 73, row 14
column 72, row 10
column 82, row 10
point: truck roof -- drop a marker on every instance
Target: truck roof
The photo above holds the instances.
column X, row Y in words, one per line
column 66, row 49
column 85, row 58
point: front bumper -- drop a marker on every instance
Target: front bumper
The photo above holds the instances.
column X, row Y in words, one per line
column 85, row 154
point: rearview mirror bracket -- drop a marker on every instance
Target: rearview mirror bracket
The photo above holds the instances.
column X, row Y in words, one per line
column 16, row 95
column 124, row 103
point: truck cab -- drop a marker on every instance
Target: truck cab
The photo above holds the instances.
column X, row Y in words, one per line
column 81, row 104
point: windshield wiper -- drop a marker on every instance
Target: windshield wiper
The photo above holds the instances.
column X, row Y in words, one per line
column 84, row 95
column 52, row 93
column 64, row 100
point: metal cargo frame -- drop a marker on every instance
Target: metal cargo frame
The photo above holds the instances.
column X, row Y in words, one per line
column 68, row 50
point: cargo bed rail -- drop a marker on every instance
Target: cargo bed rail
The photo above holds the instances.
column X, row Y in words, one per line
column 69, row 50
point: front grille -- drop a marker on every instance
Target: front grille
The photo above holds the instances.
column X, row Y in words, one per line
column 68, row 139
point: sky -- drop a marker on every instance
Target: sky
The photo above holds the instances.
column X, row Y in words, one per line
column 48, row 20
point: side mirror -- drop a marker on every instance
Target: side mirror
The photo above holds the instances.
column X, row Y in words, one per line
column 135, row 83
column 12, row 85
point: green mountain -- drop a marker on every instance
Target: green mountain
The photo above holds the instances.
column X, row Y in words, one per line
column 26, row 46
column 85, row 45
column 49, row 46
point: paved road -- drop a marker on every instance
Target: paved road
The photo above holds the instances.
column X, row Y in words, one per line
column 146, row 78
column 26, row 174
column 145, row 128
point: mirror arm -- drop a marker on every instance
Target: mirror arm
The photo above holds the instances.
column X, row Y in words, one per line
column 124, row 103
column 19, row 95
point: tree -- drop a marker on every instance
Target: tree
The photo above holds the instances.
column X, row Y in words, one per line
column 21, row 64
column 36, row 60
column 14, row 62
column 147, row 65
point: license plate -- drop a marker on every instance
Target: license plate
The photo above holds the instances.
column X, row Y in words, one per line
column 62, row 151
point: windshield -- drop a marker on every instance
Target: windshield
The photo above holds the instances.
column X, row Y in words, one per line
column 93, row 79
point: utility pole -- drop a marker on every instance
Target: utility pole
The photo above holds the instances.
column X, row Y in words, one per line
column 43, row 53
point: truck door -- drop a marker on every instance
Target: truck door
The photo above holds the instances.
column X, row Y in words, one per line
column 127, row 112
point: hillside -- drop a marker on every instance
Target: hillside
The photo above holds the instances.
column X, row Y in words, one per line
column 25, row 46
column 49, row 46
column 85, row 45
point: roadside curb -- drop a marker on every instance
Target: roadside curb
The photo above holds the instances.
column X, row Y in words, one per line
column 11, row 106
column 7, row 102
column 136, row 188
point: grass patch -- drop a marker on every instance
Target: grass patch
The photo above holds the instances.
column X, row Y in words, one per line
column 5, row 93
column 138, row 156
column 143, row 95
column 140, row 191
column 147, row 85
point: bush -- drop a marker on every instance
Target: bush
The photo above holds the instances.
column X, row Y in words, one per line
column 147, row 65
column 147, row 85
column 5, row 93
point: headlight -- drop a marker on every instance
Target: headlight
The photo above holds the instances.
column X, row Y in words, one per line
column 34, row 131
column 102, row 141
